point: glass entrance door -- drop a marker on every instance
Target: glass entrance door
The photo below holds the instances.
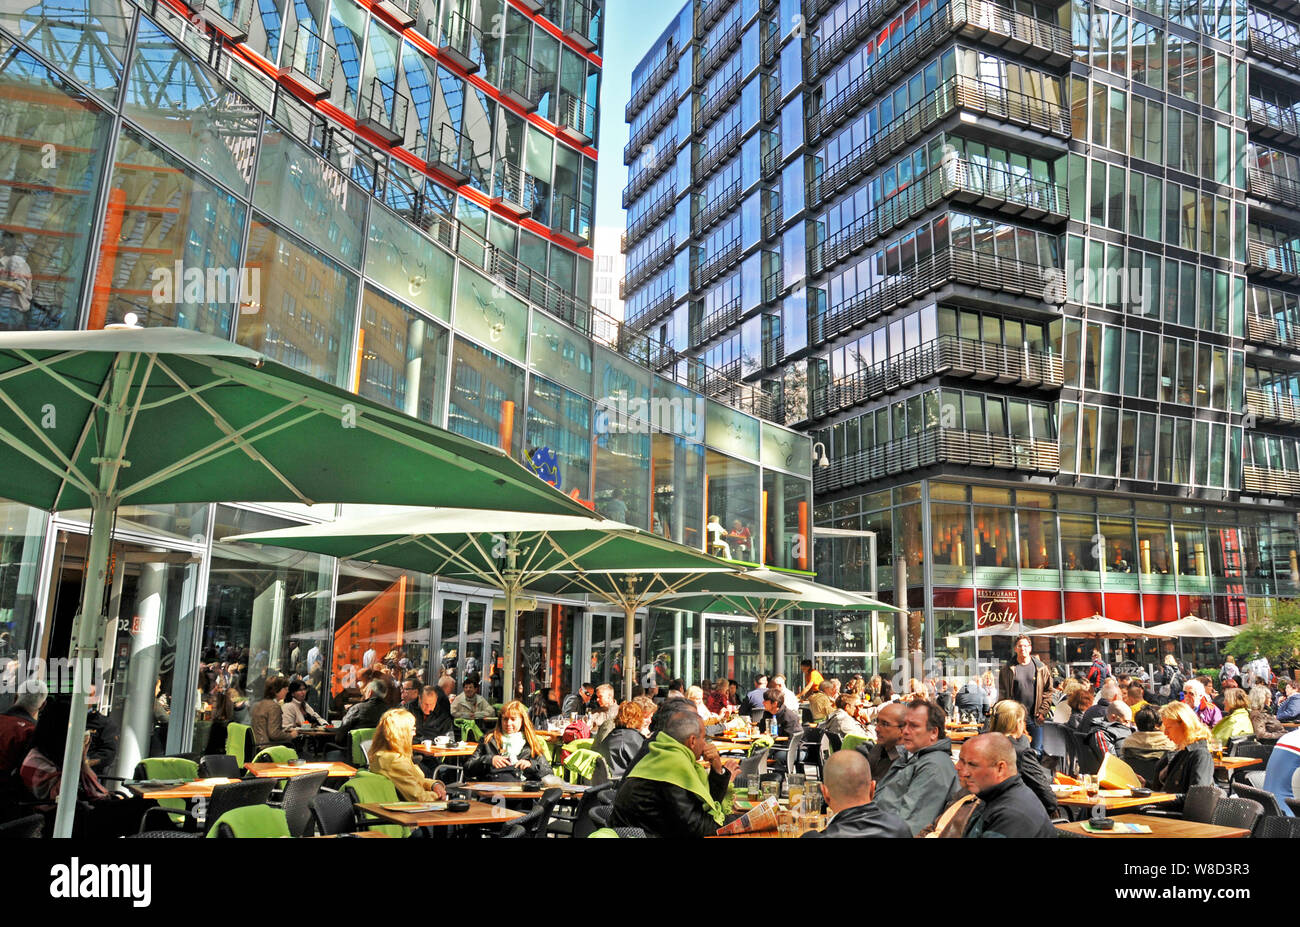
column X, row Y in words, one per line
column 467, row 638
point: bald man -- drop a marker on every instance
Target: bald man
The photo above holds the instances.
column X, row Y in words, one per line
column 847, row 788
column 1006, row 808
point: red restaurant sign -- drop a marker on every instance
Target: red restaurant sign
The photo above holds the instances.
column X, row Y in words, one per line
column 996, row 607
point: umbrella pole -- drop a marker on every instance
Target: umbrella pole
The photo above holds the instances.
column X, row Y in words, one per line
column 86, row 639
column 630, row 663
column 508, row 668
column 761, row 628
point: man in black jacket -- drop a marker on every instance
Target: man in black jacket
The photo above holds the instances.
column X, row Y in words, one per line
column 847, row 788
column 665, row 794
column 1006, row 807
column 432, row 714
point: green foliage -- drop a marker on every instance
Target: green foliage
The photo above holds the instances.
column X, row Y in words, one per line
column 1275, row 636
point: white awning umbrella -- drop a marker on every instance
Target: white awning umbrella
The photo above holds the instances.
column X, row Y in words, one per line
column 1097, row 626
column 1192, row 626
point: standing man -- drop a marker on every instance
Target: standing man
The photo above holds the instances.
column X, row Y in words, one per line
column 1006, row 806
column 1029, row 682
column 885, row 751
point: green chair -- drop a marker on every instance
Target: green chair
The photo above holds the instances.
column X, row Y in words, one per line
column 758, row 743
column 853, row 741
column 276, row 754
column 360, row 735
column 251, row 821
column 238, row 737
column 168, row 767
column 469, row 730
column 371, row 787
column 580, row 765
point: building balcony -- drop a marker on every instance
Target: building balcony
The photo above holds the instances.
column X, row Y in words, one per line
column 774, row 285
column 383, row 111
column 452, row 154
column 401, row 13
column 577, row 24
column 1273, row 187
column 229, row 17
column 1019, row 33
column 649, row 129
column 767, row 47
column 936, row 446
column 725, row 257
column 713, row 155
column 460, row 42
column 959, row 93
column 1271, row 122
column 1000, row 275
column 647, row 220
column 1278, row 51
column 708, row 215
column 1263, row 330
column 520, row 83
column 709, row 15
column 538, row 289
column 1271, row 262
column 1272, row 407
column 719, row 100
column 721, row 49
column 714, row 382
column 987, row 187
column 647, row 89
column 651, row 172
column 575, row 120
column 646, row 268
column 571, row 221
column 513, row 189
column 773, row 351
column 715, row 323
column 771, row 165
column 308, row 61
column 652, row 313
column 946, row 355
column 771, row 98
column 662, row 355
column 1266, row 481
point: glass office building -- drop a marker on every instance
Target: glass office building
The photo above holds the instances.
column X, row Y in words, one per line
column 394, row 197
column 1027, row 274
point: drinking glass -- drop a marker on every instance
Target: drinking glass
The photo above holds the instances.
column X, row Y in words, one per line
column 754, row 788
column 771, row 789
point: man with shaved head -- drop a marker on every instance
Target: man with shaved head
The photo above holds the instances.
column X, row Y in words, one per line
column 1006, row 807
column 847, row 788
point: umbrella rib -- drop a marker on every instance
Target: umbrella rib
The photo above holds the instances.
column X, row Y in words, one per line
column 434, row 544
column 190, row 390
column 211, row 453
column 64, row 472
column 68, row 468
column 96, row 402
column 232, row 434
column 46, row 366
column 139, row 398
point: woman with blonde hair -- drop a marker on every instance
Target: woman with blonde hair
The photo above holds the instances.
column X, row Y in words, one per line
column 1008, row 717
column 511, row 751
column 390, row 757
column 1191, row 764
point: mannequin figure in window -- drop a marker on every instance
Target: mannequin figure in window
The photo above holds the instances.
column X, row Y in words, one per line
column 718, row 545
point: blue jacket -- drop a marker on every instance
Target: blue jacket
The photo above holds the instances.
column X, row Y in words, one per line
column 1289, row 708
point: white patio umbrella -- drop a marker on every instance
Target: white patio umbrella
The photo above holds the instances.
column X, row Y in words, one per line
column 1099, row 627
column 1192, row 626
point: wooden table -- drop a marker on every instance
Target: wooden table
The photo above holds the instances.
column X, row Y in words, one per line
column 961, row 736
column 1162, row 827
column 1237, row 762
column 1112, row 802
column 287, row 771
column 199, row 788
column 442, row 753
column 479, row 813
column 513, row 790
column 741, row 741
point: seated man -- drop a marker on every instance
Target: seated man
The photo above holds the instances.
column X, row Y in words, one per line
column 821, row 703
column 432, row 714
column 889, row 731
column 1006, row 807
column 1107, row 735
column 919, row 787
column 1148, row 745
column 575, row 703
column 787, row 723
column 18, row 724
column 469, row 704
column 668, row 793
column 1283, row 763
column 847, row 788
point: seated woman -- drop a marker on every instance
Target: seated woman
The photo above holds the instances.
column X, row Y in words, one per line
column 1236, row 717
column 1008, row 717
column 390, row 756
column 624, row 743
column 1149, row 745
column 843, row 718
column 1194, row 695
column 695, row 695
column 1267, row 728
column 512, row 751
column 296, row 710
column 543, row 708
column 1080, row 700
column 1190, row 764
column 268, row 715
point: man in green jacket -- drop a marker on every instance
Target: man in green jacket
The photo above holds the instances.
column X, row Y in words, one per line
column 918, row 788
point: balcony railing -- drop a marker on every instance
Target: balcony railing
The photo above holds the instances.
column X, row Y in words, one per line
column 714, row 266
column 652, row 313
column 648, row 219
column 520, row 83
column 460, row 41
column 713, row 155
column 935, row 446
column 1269, row 186
column 1030, row 37
column 383, row 111
column 229, row 17
column 1265, row 481
column 651, row 172
column 1271, row 407
column 1264, row 330
column 576, row 119
column 715, row 323
column 711, row 13
column 723, row 203
column 773, row 351
column 949, row 265
column 1275, row 50
column 1270, row 261
column 721, row 98
column 571, row 220
column 649, row 129
column 650, row 86
column 770, row 100
column 713, row 382
column 773, row 285
column 308, row 60
column 723, row 46
column 646, row 268
column 986, row 186
column 577, row 23
column 400, row 13
column 946, row 355
column 662, row 355
column 452, row 153
column 771, row 162
column 767, row 48
column 514, row 189
column 1270, row 121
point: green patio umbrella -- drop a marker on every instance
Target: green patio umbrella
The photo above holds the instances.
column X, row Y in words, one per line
column 513, row 552
column 791, row 592
column 161, row 415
